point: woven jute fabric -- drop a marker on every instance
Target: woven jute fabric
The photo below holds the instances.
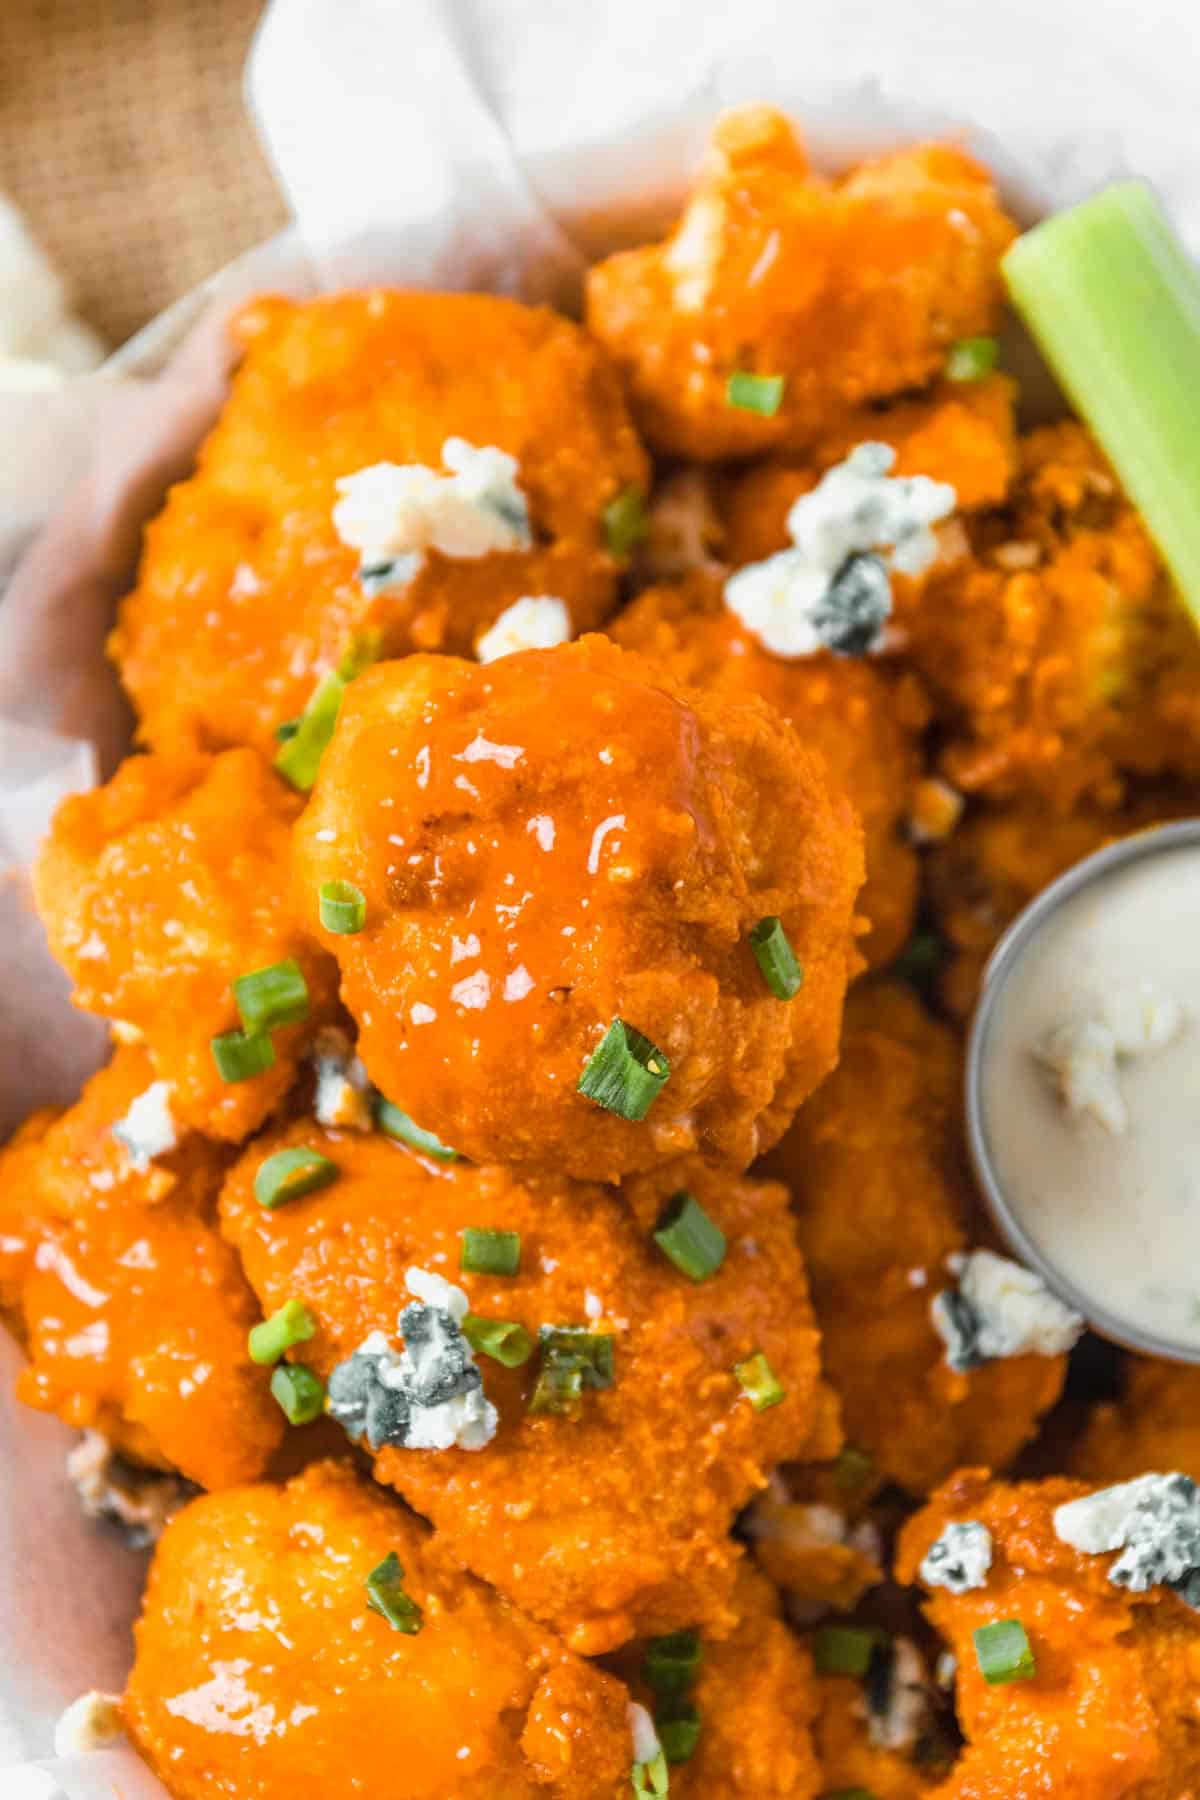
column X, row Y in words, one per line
column 125, row 141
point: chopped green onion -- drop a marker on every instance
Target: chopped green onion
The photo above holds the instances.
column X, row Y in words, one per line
column 490, row 1252
column 299, row 1392
column 573, row 1358
column 1003, row 1652
column 343, row 907
column 1113, row 299
column 271, row 997
column 299, row 758
column 673, row 1662
column 625, row 1072
column 679, row 1733
column 287, row 730
column 625, row 522
column 846, row 1649
column 386, row 1596
column 756, row 1376
column 396, row 1124
column 361, row 650
column 240, row 1055
column 694, row 1242
column 502, row 1339
column 651, row 1778
column 781, row 969
column 291, row 1324
column 853, row 1467
column 971, row 359
column 291, row 1173
column 920, row 959
column 761, row 394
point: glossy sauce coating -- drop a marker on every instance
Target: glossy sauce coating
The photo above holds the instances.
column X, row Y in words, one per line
column 608, row 1523
column 862, row 719
column 133, row 1311
column 853, row 289
column 560, row 839
column 1111, row 1712
column 157, row 892
column 261, row 1673
column 876, row 1167
column 246, row 594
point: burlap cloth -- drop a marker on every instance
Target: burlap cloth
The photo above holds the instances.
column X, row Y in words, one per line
column 124, row 139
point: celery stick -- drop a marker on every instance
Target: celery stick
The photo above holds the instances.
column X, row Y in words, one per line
column 1113, row 300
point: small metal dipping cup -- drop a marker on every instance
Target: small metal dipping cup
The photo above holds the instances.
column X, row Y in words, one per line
column 1159, row 841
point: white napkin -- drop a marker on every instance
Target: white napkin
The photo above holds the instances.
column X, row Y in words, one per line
column 493, row 143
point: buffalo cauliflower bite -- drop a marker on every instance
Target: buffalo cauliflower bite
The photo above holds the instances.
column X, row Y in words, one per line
column 561, row 849
column 1058, row 658
column 358, row 479
column 157, row 892
column 753, row 1693
column 1109, row 1709
column 604, row 1511
column 1154, row 1423
column 262, row 1668
column 849, row 290
column 877, row 1172
column 132, row 1309
column 863, row 719
column 963, row 434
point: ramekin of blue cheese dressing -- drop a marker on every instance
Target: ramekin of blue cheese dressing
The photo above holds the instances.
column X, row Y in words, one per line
column 1083, row 1089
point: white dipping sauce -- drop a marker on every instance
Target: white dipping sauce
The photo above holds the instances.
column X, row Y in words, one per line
column 1116, row 1212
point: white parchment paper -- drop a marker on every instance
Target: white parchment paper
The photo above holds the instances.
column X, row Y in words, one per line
column 499, row 144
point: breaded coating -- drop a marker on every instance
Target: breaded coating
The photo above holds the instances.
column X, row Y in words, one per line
column 157, row 892
column 261, row 1671
column 1154, row 1424
column 864, row 720
column 1110, row 1712
column 1058, row 657
column 963, row 433
column 851, row 1765
column 852, row 290
column 247, row 594
column 132, row 1309
column 564, row 839
column 877, row 1172
column 754, row 1693
column 809, row 1548
column 611, row 1518
column 1000, row 858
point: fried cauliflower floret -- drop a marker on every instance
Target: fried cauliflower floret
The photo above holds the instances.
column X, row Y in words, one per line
column 609, row 1518
column 132, row 1309
column 1110, row 1712
column 851, row 290
column 247, row 593
column 1153, row 1424
column 754, row 1694
column 851, row 1764
column 863, row 720
column 157, row 892
column 1059, row 660
column 1000, row 858
column 565, row 839
column 262, row 1671
column 809, row 1548
column 963, row 433
column 877, row 1173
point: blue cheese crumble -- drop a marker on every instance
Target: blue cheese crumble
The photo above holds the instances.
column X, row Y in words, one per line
column 148, row 1128
column 428, row 1396
column 1083, row 1056
column 393, row 514
column 535, row 622
column 960, row 1558
column 93, row 1722
column 1000, row 1309
column 1153, row 1521
column 898, row 1698
column 344, row 1094
column 832, row 589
